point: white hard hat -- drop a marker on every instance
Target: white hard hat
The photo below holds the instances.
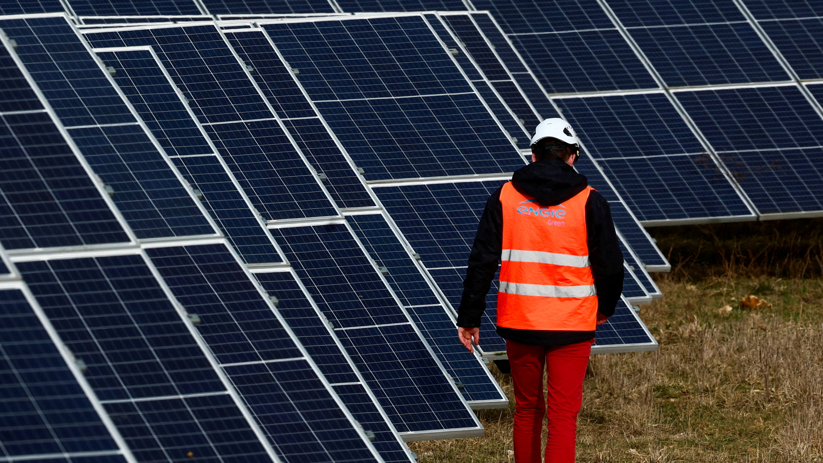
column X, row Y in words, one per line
column 554, row 128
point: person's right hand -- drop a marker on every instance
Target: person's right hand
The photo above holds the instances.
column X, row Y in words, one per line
column 601, row 319
column 465, row 335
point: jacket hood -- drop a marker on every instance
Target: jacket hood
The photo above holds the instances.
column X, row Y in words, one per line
column 549, row 181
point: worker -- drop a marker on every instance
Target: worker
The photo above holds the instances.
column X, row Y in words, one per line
column 561, row 275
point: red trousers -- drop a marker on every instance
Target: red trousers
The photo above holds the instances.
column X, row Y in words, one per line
column 566, row 368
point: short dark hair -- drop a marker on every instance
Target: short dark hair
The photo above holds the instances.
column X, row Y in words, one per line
column 543, row 148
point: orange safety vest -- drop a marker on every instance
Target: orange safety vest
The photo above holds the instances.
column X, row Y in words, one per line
column 546, row 282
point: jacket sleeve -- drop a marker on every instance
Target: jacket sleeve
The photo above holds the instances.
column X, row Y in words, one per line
column 604, row 253
column 483, row 262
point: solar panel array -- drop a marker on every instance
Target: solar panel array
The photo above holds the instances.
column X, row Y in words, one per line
column 230, row 224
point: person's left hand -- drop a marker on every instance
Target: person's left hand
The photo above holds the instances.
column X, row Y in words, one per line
column 465, row 335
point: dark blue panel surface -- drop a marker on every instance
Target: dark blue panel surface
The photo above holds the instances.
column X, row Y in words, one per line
column 298, row 413
column 308, row 325
column 439, row 220
column 365, row 6
column 202, row 65
column 424, row 307
column 321, row 345
column 366, row 413
column 450, row 281
column 520, row 136
column 142, row 80
column 269, row 170
column 349, row 291
column 90, row 20
column 672, row 12
column 66, row 72
column 43, row 410
column 339, row 276
column 133, row 7
column 405, row 379
column 652, row 157
column 15, row 92
column 585, row 61
column 267, row 6
column 622, row 328
column 768, row 9
column 532, row 16
column 801, row 43
column 228, row 208
column 769, row 138
column 48, row 197
column 147, row 192
column 236, row 322
column 112, row 314
column 709, row 54
column 9, row 7
column 209, row 428
column 463, row 59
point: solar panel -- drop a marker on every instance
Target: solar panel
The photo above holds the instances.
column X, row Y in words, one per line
column 799, row 41
column 653, row 159
column 762, row 9
column 132, row 7
column 143, row 80
column 47, row 414
column 432, row 317
column 100, row 21
column 367, row 6
column 235, row 116
column 770, row 139
column 410, row 113
column 302, row 121
column 139, row 177
column 256, row 7
column 10, row 7
column 405, row 377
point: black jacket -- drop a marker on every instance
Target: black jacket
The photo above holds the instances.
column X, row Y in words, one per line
column 551, row 182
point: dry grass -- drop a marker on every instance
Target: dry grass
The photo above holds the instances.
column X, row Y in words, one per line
column 740, row 385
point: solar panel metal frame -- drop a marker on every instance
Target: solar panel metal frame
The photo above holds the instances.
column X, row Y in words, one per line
column 215, row 153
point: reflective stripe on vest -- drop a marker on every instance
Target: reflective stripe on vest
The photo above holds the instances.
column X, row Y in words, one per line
column 545, row 278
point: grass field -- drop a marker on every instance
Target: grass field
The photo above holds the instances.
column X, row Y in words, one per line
column 728, row 384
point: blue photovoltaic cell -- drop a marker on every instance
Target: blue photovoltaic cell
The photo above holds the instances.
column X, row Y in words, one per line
column 236, row 322
column 771, row 140
column 706, row 54
column 510, row 58
column 146, row 190
column 43, row 408
column 314, row 140
column 298, row 413
column 240, row 328
column 366, row 6
column 143, row 363
column 650, row 13
column 72, row 82
column 586, row 61
column 439, row 128
column 133, row 7
column 652, row 157
column 314, row 334
column 531, row 16
column 142, row 80
column 9, row 7
column 253, row 144
column 252, row 7
column 48, row 198
column 229, row 210
column 769, row 9
column 800, row 42
column 15, row 92
column 622, row 328
column 404, row 377
column 424, row 307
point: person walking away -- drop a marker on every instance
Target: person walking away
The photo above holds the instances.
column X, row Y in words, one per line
column 561, row 275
